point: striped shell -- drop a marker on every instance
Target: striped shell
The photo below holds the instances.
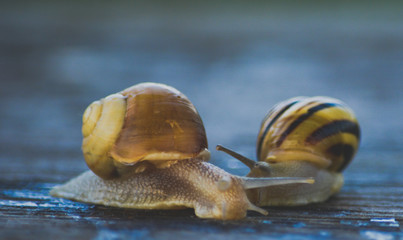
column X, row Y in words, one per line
column 148, row 123
column 321, row 130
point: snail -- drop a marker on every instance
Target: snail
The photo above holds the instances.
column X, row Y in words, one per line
column 303, row 137
column 146, row 148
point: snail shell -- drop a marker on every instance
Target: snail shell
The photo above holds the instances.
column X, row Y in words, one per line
column 147, row 149
column 321, row 130
column 303, row 137
column 147, row 122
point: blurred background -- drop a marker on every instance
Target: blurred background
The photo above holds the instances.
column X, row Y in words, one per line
column 233, row 59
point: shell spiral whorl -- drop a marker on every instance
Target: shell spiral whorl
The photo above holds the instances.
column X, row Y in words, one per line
column 102, row 123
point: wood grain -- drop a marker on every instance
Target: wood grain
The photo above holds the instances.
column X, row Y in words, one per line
column 364, row 209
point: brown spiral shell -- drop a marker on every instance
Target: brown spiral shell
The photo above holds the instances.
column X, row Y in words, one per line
column 148, row 123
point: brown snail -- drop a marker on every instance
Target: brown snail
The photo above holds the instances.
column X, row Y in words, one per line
column 303, row 137
column 147, row 148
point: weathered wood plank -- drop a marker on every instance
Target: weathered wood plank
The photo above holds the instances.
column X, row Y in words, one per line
column 27, row 206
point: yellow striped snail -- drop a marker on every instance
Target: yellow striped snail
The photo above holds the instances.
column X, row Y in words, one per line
column 146, row 147
column 303, row 137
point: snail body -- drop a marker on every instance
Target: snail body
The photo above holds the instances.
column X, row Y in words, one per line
column 189, row 183
column 303, row 137
column 146, row 148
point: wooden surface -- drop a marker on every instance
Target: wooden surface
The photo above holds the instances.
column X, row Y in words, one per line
column 363, row 210
column 233, row 61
